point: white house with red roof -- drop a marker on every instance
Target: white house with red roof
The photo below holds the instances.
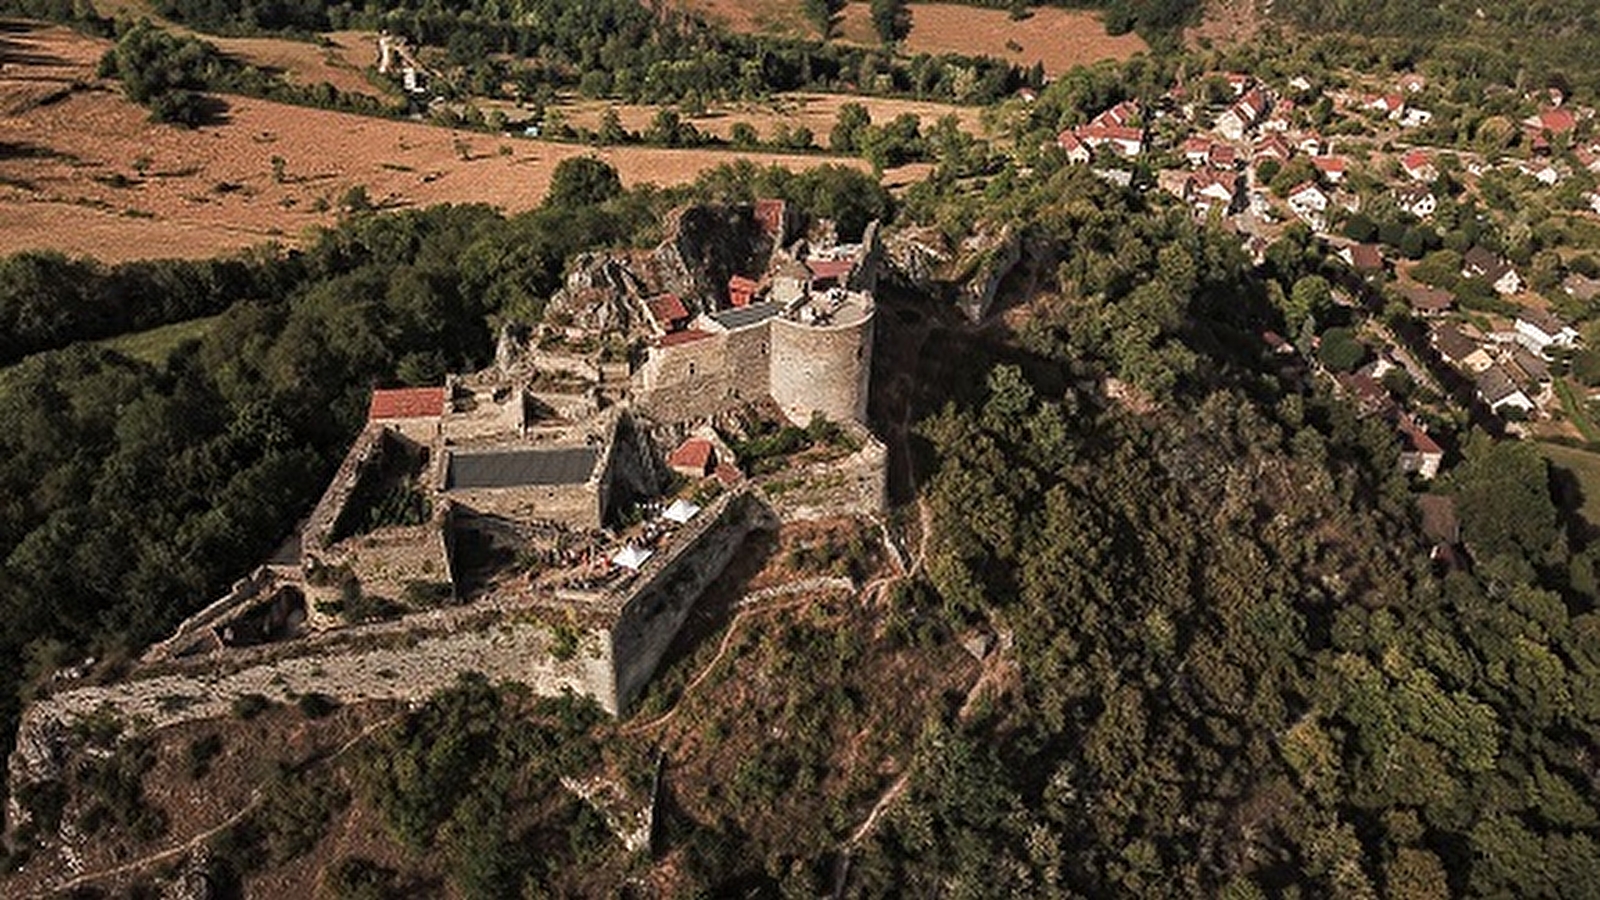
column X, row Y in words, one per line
column 1419, row 165
column 1310, row 204
column 1243, row 116
column 1077, row 150
column 1554, row 122
column 1212, row 190
column 1125, row 140
column 1196, row 149
column 1331, row 167
column 1391, row 105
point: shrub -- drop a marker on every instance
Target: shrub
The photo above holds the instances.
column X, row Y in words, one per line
column 315, row 705
column 248, row 706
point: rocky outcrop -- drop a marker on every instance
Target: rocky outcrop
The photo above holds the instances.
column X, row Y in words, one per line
column 705, row 246
column 986, row 260
column 968, row 276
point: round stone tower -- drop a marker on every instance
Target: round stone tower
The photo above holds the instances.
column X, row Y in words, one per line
column 824, row 364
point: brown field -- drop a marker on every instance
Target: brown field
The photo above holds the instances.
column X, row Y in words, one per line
column 782, row 17
column 70, row 162
column 1059, row 38
column 817, row 112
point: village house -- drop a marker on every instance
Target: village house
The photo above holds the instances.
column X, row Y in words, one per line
column 1310, row 204
column 1496, row 389
column 1529, row 370
column 1412, row 83
column 1310, row 144
column 1482, row 263
column 1419, row 453
column 1238, row 82
column 1539, row 330
column 1415, row 118
column 1196, row 149
column 1331, row 167
column 1211, row 190
column 1243, row 115
column 1427, row 301
column 1552, row 122
column 1366, row 259
column 1419, row 166
column 1274, row 147
column 1459, row 350
column 1391, row 105
column 1280, row 120
column 1077, row 150
column 1416, row 200
column 1126, row 140
column 1581, row 287
column 1540, row 171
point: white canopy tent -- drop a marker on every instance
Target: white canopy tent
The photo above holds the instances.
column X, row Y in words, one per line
column 631, row 557
column 680, row 511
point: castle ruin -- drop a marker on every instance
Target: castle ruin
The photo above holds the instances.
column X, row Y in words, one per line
column 525, row 521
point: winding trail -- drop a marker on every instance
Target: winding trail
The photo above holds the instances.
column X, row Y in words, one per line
column 256, row 796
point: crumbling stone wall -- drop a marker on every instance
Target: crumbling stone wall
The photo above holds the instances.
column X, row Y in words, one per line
column 403, row 667
column 330, row 508
column 656, row 604
column 701, row 378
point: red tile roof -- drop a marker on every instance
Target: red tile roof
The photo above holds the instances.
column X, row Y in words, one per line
column 728, row 474
column 406, row 403
column 1558, row 121
column 681, row 337
column 668, row 309
column 830, row 269
column 694, row 453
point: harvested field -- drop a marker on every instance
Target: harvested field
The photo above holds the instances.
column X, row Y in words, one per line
column 84, row 172
column 1058, row 38
column 817, row 112
column 782, row 17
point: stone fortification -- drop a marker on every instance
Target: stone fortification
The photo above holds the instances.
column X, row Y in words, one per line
column 624, row 633
column 823, row 368
column 653, row 608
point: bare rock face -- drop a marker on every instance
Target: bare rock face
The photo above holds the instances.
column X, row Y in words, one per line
column 918, row 255
column 43, row 745
column 986, row 260
column 601, row 293
column 704, row 247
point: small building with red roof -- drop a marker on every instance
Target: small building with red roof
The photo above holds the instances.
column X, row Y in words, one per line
column 668, row 312
column 416, row 413
column 742, row 291
column 1419, row 165
column 694, row 458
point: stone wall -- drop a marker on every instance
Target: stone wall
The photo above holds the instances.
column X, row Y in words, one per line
column 701, row 378
column 404, row 667
column 658, row 601
column 330, row 508
column 575, row 505
column 826, row 369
